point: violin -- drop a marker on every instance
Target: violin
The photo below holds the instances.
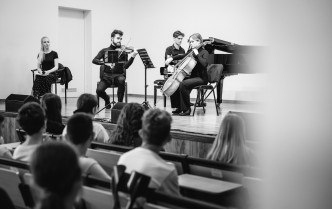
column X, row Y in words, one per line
column 125, row 49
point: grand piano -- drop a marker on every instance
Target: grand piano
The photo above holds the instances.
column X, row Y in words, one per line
column 236, row 59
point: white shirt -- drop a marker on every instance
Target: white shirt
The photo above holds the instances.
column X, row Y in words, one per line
column 90, row 166
column 163, row 175
column 24, row 152
column 101, row 134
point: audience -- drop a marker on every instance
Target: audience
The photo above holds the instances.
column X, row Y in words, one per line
column 87, row 103
column 80, row 134
column 2, row 127
column 52, row 106
column 128, row 125
column 56, row 176
column 155, row 133
column 31, row 118
column 229, row 145
column 4, row 152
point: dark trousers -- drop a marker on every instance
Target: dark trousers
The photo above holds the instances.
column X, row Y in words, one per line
column 181, row 97
column 107, row 81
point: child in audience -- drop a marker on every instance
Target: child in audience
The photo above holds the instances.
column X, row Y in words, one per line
column 128, row 125
column 155, row 133
column 87, row 103
column 2, row 127
column 56, row 176
column 52, row 106
column 80, row 134
column 31, row 118
column 229, row 145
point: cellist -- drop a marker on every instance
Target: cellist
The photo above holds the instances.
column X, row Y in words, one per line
column 198, row 75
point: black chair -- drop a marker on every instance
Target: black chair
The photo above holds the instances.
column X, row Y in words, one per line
column 158, row 84
column 56, row 81
column 214, row 72
column 101, row 72
column 5, row 200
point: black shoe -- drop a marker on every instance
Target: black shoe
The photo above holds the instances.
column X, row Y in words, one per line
column 185, row 113
column 201, row 104
column 191, row 104
column 177, row 111
column 108, row 105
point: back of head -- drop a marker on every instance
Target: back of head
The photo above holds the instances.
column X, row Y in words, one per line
column 86, row 103
column 128, row 124
column 156, row 126
column 31, row 117
column 79, row 128
column 52, row 106
column 55, row 170
column 229, row 144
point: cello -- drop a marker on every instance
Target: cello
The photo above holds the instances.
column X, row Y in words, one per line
column 181, row 70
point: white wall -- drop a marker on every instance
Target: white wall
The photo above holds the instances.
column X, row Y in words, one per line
column 149, row 24
column 154, row 21
column 22, row 27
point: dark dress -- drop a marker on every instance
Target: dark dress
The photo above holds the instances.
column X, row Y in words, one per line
column 42, row 84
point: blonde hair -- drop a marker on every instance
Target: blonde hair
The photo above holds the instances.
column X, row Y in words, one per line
column 41, row 54
column 229, row 144
column 197, row 37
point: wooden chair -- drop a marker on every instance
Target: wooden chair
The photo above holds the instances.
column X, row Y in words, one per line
column 106, row 159
column 9, row 181
column 5, row 200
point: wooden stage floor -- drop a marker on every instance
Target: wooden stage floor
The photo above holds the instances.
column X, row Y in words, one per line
column 207, row 123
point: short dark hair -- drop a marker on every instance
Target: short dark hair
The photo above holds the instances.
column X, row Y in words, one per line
column 31, row 117
column 177, row 34
column 156, row 126
column 116, row 32
column 79, row 128
column 55, row 168
column 85, row 103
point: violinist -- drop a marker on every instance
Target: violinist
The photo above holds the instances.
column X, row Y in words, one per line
column 171, row 51
column 114, row 73
column 181, row 97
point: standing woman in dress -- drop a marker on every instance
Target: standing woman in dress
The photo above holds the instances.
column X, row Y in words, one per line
column 46, row 67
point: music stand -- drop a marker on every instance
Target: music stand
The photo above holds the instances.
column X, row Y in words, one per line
column 147, row 64
column 111, row 56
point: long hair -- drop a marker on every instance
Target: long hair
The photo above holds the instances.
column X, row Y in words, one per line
column 128, row 125
column 85, row 103
column 229, row 144
column 55, row 169
column 41, row 54
column 52, row 106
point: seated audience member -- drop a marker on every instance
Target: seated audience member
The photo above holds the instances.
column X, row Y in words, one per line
column 87, row 103
column 31, row 118
column 229, row 145
column 56, row 176
column 52, row 106
column 80, row 134
column 4, row 152
column 155, row 133
column 128, row 125
column 2, row 127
